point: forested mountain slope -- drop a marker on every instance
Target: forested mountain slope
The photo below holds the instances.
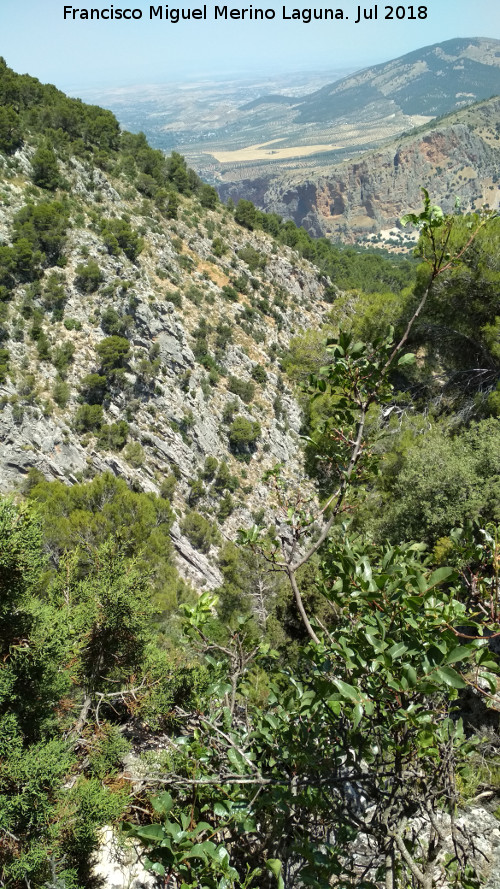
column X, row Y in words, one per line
column 311, row 701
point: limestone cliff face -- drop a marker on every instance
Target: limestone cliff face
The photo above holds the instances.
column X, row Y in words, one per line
column 176, row 415
column 370, row 193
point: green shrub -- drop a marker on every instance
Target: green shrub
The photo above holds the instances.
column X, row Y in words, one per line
column 4, row 364
column 243, row 434
column 244, row 389
column 252, row 258
column 88, row 418
column 134, row 454
column 114, row 324
column 114, row 436
column 208, row 196
column 54, row 295
column 230, row 293
column 113, row 352
column 259, row 374
column 226, row 507
column 174, row 297
column 93, row 388
column 245, row 214
column 61, row 393
column 167, row 487
column 88, row 277
column 118, row 235
column 62, row 356
column 224, row 480
column 45, row 168
column 200, row 531
column 219, row 247
column 107, row 751
column 196, row 491
column 209, row 468
column 11, row 136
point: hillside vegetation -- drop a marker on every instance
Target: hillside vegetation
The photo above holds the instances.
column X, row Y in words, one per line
column 249, row 552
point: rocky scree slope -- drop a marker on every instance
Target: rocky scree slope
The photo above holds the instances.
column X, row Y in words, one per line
column 194, row 404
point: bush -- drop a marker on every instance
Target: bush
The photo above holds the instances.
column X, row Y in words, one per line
column 114, row 436
column 4, row 364
column 259, row 374
column 114, row 324
column 167, row 487
column 54, row 295
column 45, row 169
column 224, row 480
column 200, row 531
column 88, row 277
column 244, row 389
column 63, row 356
column 174, row 297
column 226, row 507
column 245, row 214
column 61, row 393
column 39, row 235
column 441, row 481
column 252, row 258
column 10, row 129
column 93, row 388
column 118, row 235
column 243, row 434
column 196, row 491
column 210, row 468
column 208, row 196
column 113, row 352
column 134, row 454
column 230, row 293
column 88, row 418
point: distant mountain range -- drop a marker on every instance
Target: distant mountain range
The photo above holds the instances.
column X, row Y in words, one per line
column 354, row 194
column 430, row 81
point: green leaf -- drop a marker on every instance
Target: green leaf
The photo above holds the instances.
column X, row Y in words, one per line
column 357, row 715
column 460, row 653
column 396, row 650
column 221, row 809
column 150, row 832
column 407, row 358
column 274, row 865
column 410, row 674
column 236, row 760
column 200, row 827
column 348, row 691
column 155, row 867
column 491, row 679
column 438, row 577
column 450, row 677
column 197, row 852
column 162, row 803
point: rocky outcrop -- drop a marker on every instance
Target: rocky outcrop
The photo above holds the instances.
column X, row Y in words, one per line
column 369, row 194
column 176, row 416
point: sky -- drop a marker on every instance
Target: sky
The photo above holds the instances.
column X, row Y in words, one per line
column 35, row 38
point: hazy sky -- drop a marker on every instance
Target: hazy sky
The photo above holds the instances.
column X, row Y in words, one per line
column 35, row 38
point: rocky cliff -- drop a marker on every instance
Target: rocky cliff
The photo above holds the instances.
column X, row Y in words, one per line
column 457, row 158
column 200, row 356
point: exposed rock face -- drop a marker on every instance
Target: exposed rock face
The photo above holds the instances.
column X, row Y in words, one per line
column 176, row 417
column 370, row 193
column 118, row 864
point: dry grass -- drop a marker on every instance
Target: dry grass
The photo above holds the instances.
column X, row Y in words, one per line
column 263, row 152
